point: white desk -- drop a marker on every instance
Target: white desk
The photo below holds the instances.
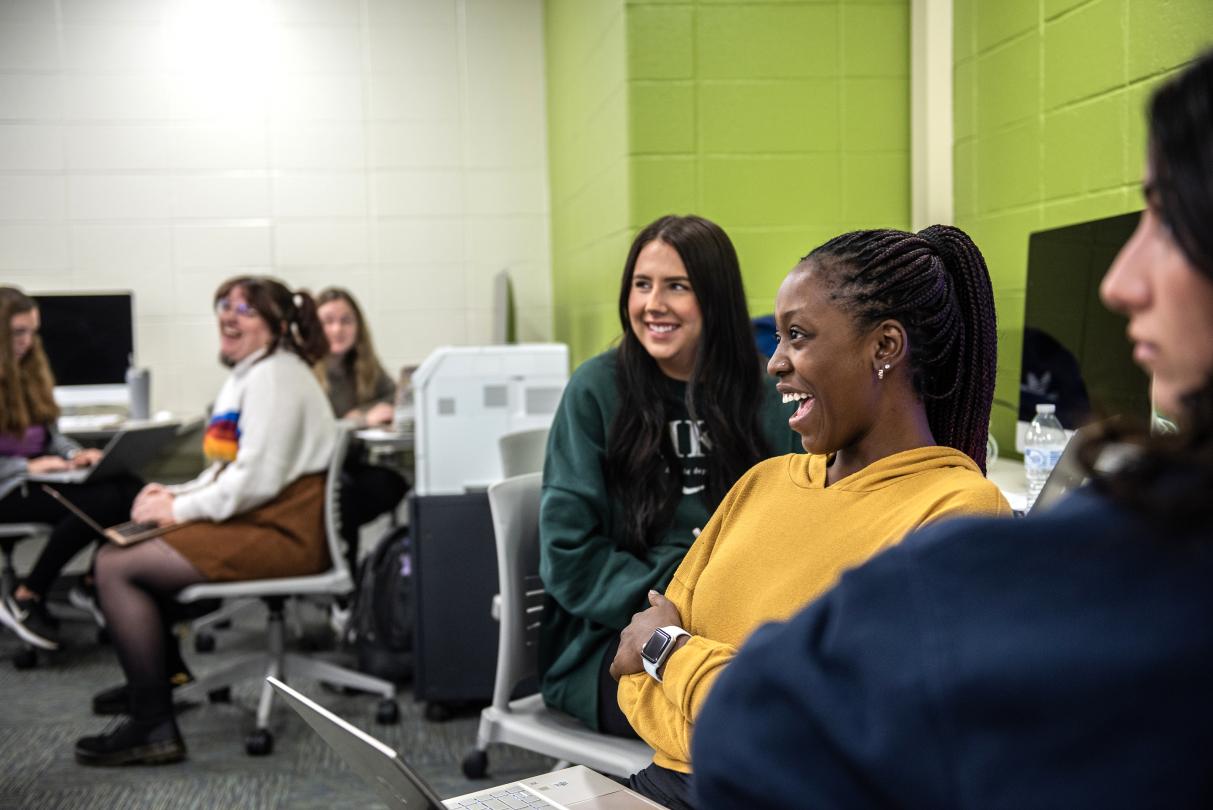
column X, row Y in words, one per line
column 1007, row 474
column 103, row 427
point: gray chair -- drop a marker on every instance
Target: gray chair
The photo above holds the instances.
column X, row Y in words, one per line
column 276, row 661
column 527, row 722
column 522, row 451
column 10, row 535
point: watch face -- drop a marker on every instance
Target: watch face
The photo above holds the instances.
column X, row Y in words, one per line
column 655, row 646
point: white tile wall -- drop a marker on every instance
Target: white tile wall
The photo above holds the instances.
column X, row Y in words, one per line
column 396, row 147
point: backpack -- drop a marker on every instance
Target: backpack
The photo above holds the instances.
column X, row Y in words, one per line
column 381, row 623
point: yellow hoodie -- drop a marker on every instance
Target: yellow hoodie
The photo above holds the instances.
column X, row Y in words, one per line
column 778, row 540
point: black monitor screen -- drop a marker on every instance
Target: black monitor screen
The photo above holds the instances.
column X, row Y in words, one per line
column 1075, row 351
column 89, row 339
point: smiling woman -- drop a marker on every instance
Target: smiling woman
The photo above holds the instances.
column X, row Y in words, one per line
column 255, row 513
column 645, row 443
column 1063, row 660
column 887, row 345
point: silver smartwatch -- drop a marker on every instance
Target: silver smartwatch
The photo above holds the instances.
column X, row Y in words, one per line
column 658, row 648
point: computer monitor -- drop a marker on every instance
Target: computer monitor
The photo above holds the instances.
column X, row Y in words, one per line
column 89, row 339
column 1076, row 354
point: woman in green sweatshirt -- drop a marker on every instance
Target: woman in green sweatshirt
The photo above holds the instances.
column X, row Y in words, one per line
column 647, row 440
column 887, row 343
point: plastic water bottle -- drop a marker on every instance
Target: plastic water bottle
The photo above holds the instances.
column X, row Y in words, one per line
column 1043, row 446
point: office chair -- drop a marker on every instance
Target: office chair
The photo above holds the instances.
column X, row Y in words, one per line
column 276, row 661
column 527, row 722
column 522, row 451
column 10, row 535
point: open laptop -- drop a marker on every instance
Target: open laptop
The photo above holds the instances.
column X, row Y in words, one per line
column 1068, row 474
column 126, row 452
column 576, row 788
column 123, row 534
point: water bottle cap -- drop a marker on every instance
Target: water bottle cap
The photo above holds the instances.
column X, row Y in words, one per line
column 1046, row 408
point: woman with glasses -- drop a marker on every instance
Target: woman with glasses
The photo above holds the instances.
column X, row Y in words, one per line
column 256, row 512
column 30, row 444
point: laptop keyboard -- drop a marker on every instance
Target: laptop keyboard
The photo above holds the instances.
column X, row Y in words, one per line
column 132, row 528
column 510, row 797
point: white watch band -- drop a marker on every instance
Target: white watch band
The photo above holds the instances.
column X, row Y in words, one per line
column 653, row 667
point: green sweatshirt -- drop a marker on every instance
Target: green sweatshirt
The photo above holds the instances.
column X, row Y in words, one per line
column 593, row 587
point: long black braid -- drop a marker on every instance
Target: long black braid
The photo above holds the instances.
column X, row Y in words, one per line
column 935, row 283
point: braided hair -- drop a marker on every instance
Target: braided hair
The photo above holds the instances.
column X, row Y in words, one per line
column 291, row 317
column 935, row 284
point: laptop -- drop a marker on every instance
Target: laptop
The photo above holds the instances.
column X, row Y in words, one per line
column 1068, row 474
column 122, row 534
column 126, row 452
column 576, row 788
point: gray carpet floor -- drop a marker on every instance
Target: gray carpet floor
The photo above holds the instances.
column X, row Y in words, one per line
column 45, row 709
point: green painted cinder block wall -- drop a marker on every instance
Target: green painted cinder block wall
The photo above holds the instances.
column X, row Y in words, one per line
column 588, row 152
column 1050, row 130
column 786, row 123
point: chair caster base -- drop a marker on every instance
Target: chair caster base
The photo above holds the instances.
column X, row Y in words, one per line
column 260, row 743
column 387, row 713
column 475, row 764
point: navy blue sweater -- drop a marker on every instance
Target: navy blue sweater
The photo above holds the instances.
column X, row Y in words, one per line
column 1061, row 661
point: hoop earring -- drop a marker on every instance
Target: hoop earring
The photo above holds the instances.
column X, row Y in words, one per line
column 880, row 372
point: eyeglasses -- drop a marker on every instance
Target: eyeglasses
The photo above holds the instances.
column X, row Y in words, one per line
column 242, row 310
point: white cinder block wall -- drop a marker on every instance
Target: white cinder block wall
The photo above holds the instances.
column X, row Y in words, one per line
column 396, row 147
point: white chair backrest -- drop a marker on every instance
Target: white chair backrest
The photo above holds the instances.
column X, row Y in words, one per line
column 522, row 451
column 514, row 503
column 332, row 500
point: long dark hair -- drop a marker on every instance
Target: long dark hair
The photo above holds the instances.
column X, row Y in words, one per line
column 361, row 359
column 291, row 317
column 936, row 285
column 27, row 385
column 724, row 392
column 1170, row 477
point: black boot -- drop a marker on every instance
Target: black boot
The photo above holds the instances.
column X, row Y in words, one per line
column 149, row 737
column 117, row 699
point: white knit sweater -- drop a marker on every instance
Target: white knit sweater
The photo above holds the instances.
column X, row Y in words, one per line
column 283, row 429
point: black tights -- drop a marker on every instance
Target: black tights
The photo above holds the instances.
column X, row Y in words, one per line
column 107, row 502
column 135, row 585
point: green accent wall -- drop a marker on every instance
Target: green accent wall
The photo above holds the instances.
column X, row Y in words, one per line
column 588, row 159
column 785, row 122
column 1050, row 129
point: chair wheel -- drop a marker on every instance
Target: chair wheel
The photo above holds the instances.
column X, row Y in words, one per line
column 204, row 643
column 221, row 695
column 25, row 658
column 437, row 712
column 259, row 743
column 475, row 764
column 387, row 713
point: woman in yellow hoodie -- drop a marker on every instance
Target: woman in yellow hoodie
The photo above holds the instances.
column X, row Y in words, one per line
column 887, row 342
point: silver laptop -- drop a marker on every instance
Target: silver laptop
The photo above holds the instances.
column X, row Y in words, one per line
column 125, row 453
column 576, row 788
column 1067, row 475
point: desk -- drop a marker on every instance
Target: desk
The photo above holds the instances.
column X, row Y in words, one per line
column 1007, row 474
column 103, row 427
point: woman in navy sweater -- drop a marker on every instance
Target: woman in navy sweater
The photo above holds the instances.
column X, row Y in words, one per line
column 1061, row 661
